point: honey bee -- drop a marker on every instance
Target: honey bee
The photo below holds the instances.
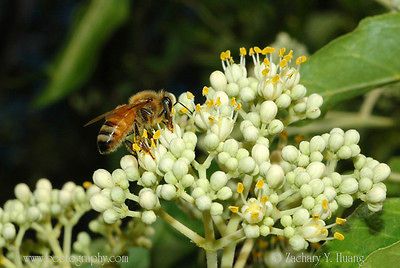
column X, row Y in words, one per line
column 143, row 113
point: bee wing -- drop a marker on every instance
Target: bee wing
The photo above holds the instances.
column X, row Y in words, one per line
column 120, row 109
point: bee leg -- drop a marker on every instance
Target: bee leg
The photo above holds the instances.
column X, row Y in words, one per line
column 146, row 114
column 129, row 146
column 145, row 147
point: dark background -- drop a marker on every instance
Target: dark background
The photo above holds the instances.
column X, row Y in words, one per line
column 163, row 44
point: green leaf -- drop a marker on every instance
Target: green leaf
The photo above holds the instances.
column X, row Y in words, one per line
column 356, row 62
column 138, row 258
column 78, row 59
column 390, row 256
column 393, row 184
column 365, row 232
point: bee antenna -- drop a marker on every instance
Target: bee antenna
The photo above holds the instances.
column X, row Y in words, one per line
column 191, row 112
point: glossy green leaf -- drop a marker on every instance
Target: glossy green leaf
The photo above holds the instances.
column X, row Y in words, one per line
column 362, row 60
column 77, row 60
column 365, row 232
column 390, row 256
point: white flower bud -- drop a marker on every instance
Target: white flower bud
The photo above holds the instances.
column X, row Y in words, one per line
column 300, row 107
column 251, row 231
column 330, row 193
column 316, row 157
column 148, row 217
column 268, row 111
column 232, row 89
column 275, row 176
column 110, row 216
column 197, row 192
column 355, row 150
column 376, row 195
column 218, row 180
column 42, row 195
column 316, row 169
column 336, row 179
column 254, row 118
column 187, row 180
column 345, row 200
column 223, row 157
column 317, row 143
column 314, row 113
column 247, row 165
column 301, row 216
column 286, row 220
column 344, row 152
column 203, row 203
column 290, row 153
column 306, row 190
column 297, row 243
column 231, row 146
column 218, row 80
column 211, row 141
column 250, row 133
column 148, row 179
column 22, row 192
column 147, row 162
column 128, row 161
column 302, row 178
column 317, row 186
column 166, row 163
column 118, row 195
column 351, row 136
column 224, row 193
column 8, row 231
column 381, row 172
column 304, row 147
column 102, row 178
column 359, row 162
column 132, row 173
column 190, row 138
column 265, row 230
column 189, row 155
column 100, row 202
column 180, row 168
column 298, row 92
column 375, row 207
column 147, row 199
column 348, row 186
column 232, row 164
column 120, row 178
column 283, row 101
column 247, row 94
column 365, row 184
column 314, row 101
column 260, row 153
column 216, row 209
column 33, row 214
column 44, row 184
column 289, row 231
column 336, row 140
column 177, row 146
column 276, row 126
column 242, row 153
column 168, row 191
column 65, row 198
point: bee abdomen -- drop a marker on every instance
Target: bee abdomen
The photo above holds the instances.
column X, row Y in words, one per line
column 107, row 140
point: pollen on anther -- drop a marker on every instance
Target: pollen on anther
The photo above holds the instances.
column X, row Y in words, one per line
column 184, row 110
column 238, row 107
column 265, row 71
column 234, row 209
column 189, row 95
column 240, row 188
column 257, row 50
column 136, row 147
column 268, row 50
column 254, row 215
column 338, row 236
column 209, row 103
column 251, row 51
column 282, row 52
column 325, row 204
column 260, row 184
column 242, row 51
column 301, row 60
column 340, row 221
column 198, row 107
column 222, row 56
column 233, row 101
column 153, row 144
column 87, row 184
column 275, row 79
column 205, row 91
column 266, row 62
column 157, row 134
column 144, row 135
column 218, row 101
column 264, row 199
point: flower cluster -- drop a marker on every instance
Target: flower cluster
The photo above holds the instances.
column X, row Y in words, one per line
column 261, row 183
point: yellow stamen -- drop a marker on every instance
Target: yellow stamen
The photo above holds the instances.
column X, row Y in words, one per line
column 268, row 50
column 340, row 221
column 254, row 215
column 184, row 110
column 251, row 51
column 338, row 236
column 264, row 199
column 205, row 91
column 157, row 135
column 189, row 95
column 153, row 144
column 282, row 52
column 218, row 101
column 234, row 209
column 259, row 184
column 198, row 107
column 301, row 60
column 266, row 62
column 209, row 103
column 222, row 56
column 87, row 184
column 136, row 147
column 265, row 72
column 242, row 51
column 233, row 101
column 315, row 217
column 325, row 204
column 275, row 79
column 211, row 119
column 324, row 231
column 144, row 135
column 257, row 50
column 240, row 188
column 283, row 63
column 228, row 54
column 238, row 107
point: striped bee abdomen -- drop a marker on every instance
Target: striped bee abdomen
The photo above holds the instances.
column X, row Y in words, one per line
column 110, row 136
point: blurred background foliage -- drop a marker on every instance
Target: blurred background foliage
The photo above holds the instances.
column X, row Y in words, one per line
column 64, row 62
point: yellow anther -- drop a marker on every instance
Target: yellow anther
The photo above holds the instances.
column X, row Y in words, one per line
column 325, row 204
column 338, row 236
column 266, row 62
column 153, row 144
column 144, row 135
column 301, row 60
column 264, row 199
column 268, row 50
column 275, row 79
column 184, row 110
column 242, row 51
column 211, row 119
column 189, row 95
column 198, row 107
column 240, row 188
column 259, row 184
column 136, row 147
column 324, row 231
column 157, row 135
column 283, row 63
column 209, row 103
column 233, row 101
column 234, row 209
column 238, row 107
column 315, row 217
column 257, row 50
column 282, row 52
column 87, row 184
column 340, row 221
column 218, row 101
column 222, row 56
column 228, row 54
column 265, row 72
column 254, row 215
column 205, row 91
column 251, row 51
column 288, row 56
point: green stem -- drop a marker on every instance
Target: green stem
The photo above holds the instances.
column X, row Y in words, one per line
column 17, row 245
column 244, row 253
column 229, row 239
column 67, row 240
column 55, row 245
column 212, row 260
column 4, row 261
column 394, row 176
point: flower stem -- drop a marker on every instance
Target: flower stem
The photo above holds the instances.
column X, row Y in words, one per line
column 4, row 261
column 229, row 239
column 67, row 240
column 244, row 253
column 17, row 245
column 212, row 260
